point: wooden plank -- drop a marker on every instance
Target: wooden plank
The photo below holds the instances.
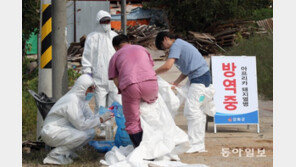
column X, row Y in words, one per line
column 226, row 37
column 225, row 41
column 202, row 35
column 226, row 32
column 204, row 41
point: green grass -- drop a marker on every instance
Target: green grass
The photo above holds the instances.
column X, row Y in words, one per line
column 87, row 156
column 260, row 46
column 29, row 110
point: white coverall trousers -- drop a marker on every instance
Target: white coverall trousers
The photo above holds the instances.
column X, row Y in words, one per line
column 196, row 118
column 65, row 140
column 105, row 96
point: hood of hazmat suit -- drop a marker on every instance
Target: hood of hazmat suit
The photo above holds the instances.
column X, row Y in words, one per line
column 70, row 123
column 98, row 50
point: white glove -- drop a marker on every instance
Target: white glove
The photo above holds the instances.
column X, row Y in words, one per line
column 108, row 115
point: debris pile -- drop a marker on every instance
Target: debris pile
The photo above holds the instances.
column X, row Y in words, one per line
column 221, row 36
column 266, row 24
column 226, row 34
column 28, row 146
column 204, row 42
column 143, row 35
column 75, row 52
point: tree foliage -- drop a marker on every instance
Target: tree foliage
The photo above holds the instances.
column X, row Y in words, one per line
column 30, row 19
column 197, row 15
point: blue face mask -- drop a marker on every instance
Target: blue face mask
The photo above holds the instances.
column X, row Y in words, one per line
column 89, row 96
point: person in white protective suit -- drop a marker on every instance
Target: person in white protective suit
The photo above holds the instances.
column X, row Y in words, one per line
column 98, row 50
column 70, row 123
column 191, row 63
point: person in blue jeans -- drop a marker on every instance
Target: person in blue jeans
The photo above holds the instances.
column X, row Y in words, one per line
column 192, row 65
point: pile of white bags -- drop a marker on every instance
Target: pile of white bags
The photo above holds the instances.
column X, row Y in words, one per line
column 117, row 158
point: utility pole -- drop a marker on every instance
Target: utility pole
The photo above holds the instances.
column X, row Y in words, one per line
column 59, row 49
column 123, row 16
column 74, row 20
column 44, row 56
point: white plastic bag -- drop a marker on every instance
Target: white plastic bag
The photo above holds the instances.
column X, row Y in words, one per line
column 114, row 156
column 161, row 136
column 182, row 92
column 117, row 155
column 171, row 100
column 158, row 122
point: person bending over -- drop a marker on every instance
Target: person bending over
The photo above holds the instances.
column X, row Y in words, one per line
column 192, row 65
column 131, row 69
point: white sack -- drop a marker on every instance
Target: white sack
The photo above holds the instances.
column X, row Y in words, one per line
column 168, row 95
column 118, row 153
column 161, row 137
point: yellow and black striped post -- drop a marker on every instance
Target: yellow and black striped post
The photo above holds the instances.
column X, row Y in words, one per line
column 46, row 42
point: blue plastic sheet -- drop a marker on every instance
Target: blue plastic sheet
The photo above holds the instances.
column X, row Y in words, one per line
column 102, row 146
column 121, row 137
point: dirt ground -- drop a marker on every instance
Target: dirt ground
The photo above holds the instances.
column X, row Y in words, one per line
column 232, row 138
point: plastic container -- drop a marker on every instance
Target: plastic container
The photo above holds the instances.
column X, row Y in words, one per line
column 121, row 137
column 109, row 132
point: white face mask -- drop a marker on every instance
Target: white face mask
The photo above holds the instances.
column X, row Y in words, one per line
column 106, row 27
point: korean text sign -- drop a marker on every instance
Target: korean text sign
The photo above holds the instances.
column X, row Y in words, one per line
column 235, row 82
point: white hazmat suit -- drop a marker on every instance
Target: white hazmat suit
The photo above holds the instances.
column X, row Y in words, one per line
column 97, row 53
column 70, row 123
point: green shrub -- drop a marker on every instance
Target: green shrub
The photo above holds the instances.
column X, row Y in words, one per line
column 72, row 76
column 261, row 14
column 260, row 46
column 30, row 21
